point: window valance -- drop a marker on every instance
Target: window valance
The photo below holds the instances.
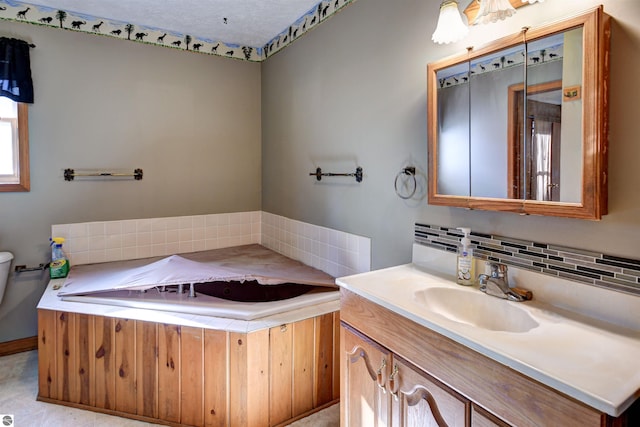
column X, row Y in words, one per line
column 15, row 70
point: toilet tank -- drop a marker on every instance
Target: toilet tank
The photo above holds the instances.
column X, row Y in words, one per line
column 5, row 264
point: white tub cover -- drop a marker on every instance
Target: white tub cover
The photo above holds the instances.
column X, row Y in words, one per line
column 240, row 263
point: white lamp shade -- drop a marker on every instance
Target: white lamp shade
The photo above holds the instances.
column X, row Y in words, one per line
column 493, row 10
column 450, row 27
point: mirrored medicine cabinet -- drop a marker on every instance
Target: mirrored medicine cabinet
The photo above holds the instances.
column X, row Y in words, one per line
column 520, row 125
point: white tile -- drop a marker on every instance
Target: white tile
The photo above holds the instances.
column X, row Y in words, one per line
column 129, row 226
column 97, row 242
column 185, row 247
column 130, row 252
column 198, row 233
column 144, row 239
column 199, row 245
column 144, row 251
column 113, row 254
column 144, row 225
column 113, row 227
column 97, row 256
column 211, row 220
column 173, row 236
column 95, row 229
column 158, row 224
column 172, row 223
column 186, row 222
column 113, row 241
column 129, row 240
column 78, row 230
column 159, row 237
column 186, row 235
column 211, row 232
column 198, row 221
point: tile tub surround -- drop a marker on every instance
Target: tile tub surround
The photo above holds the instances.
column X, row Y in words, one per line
column 591, row 268
column 335, row 252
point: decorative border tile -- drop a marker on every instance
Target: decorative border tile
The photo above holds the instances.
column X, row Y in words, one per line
column 55, row 18
column 335, row 252
column 592, row 268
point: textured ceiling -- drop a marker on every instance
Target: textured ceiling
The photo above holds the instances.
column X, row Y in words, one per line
column 248, row 22
column 221, row 27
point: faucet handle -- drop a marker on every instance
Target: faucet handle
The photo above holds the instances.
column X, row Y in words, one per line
column 497, row 270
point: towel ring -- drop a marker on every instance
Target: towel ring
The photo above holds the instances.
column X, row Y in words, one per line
column 406, row 179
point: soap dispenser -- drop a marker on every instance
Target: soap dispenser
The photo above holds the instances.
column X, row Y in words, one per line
column 465, row 269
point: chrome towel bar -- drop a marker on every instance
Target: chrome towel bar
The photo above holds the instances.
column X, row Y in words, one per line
column 319, row 174
column 70, row 174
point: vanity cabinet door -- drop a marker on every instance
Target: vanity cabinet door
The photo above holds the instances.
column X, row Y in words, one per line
column 418, row 400
column 364, row 399
column 482, row 418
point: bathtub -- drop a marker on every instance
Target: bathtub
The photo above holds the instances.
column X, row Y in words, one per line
column 206, row 305
column 218, row 283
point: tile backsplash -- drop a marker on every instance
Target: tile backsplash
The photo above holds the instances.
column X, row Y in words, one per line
column 335, row 252
column 616, row 273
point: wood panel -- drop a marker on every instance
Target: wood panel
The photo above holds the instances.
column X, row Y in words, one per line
column 497, row 387
column 105, row 362
column 238, row 379
column 323, row 352
column 258, row 378
column 303, row 364
column 147, row 369
column 182, row 375
column 125, row 363
column 66, row 356
column 84, row 371
column 169, row 372
column 191, row 376
column 47, row 367
column 337, row 352
column 281, row 367
column 216, row 366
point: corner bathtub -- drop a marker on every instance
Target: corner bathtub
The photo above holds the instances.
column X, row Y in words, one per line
column 164, row 357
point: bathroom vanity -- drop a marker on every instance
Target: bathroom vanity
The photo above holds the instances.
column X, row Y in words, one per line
column 419, row 350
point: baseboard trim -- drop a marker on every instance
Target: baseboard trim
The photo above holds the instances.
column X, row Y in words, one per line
column 18, row 346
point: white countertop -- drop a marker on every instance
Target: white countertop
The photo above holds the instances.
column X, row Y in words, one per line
column 51, row 301
column 593, row 361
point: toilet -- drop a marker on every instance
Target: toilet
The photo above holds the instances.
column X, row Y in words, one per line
column 5, row 264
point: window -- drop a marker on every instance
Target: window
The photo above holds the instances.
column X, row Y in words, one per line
column 14, row 146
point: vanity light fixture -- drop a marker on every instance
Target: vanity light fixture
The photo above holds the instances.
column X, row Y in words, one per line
column 494, row 10
column 450, row 26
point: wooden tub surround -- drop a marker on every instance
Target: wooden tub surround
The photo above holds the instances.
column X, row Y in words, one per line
column 185, row 375
column 210, row 368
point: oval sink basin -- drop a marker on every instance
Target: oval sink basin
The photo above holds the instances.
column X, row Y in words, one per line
column 476, row 309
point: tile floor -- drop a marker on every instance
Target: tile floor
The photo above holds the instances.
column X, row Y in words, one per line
column 19, row 388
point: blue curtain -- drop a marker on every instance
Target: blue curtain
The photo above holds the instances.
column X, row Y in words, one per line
column 15, row 70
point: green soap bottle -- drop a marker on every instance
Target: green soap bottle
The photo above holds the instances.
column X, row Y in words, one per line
column 59, row 266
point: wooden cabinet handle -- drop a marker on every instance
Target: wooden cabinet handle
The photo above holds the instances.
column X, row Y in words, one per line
column 380, row 380
column 393, row 386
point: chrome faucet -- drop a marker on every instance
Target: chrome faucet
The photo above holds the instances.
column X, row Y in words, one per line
column 497, row 283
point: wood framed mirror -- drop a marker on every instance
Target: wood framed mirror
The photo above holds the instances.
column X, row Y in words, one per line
column 520, row 125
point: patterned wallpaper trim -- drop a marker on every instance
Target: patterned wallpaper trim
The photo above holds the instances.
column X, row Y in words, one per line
column 592, row 268
column 55, row 18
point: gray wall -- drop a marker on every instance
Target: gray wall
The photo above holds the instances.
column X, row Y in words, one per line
column 351, row 92
column 354, row 91
column 191, row 122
